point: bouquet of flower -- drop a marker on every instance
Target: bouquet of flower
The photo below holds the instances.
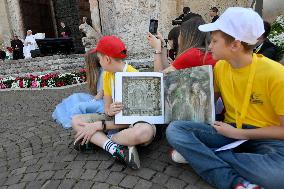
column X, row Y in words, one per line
column 47, row 80
column 276, row 35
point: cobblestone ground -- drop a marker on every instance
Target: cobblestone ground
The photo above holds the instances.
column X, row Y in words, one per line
column 36, row 153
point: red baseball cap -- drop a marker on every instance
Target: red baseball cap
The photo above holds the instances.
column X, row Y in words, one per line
column 111, row 46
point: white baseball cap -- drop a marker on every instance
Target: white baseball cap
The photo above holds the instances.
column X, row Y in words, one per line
column 243, row 24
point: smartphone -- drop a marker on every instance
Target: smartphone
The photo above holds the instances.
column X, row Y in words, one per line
column 153, row 27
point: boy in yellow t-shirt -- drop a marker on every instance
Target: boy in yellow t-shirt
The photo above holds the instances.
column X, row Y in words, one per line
column 111, row 52
column 252, row 89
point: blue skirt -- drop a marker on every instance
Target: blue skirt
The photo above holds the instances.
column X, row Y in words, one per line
column 77, row 103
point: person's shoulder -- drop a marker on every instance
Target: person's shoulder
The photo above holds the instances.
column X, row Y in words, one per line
column 270, row 67
column 107, row 75
column 221, row 64
column 131, row 69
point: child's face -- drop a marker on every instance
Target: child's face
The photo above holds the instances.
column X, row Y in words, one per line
column 220, row 50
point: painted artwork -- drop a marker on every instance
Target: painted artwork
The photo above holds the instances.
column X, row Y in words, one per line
column 189, row 95
column 141, row 96
column 156, row 98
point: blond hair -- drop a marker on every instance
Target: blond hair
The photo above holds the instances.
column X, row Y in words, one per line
column 92, row 71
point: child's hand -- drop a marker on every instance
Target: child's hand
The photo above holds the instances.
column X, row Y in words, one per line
column 115, row 108
column 159, row 36
column 99, row 95
column 154, row 42
column 228, row 130
column 86, row 132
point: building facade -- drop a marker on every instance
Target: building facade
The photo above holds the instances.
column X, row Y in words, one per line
column 128, row 19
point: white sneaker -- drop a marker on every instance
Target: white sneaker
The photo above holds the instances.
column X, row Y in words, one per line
column 133, row 158
column 177, row 157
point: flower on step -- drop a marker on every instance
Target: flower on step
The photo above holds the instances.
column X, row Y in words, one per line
column 15, row 85
column 2, row 86
column 35, row 84
column 40, row 81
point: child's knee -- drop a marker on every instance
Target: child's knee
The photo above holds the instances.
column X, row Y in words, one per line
column 74, row 122
column 143, row 132
column 172, row 130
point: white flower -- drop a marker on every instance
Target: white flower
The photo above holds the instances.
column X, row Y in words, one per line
column 15, row 85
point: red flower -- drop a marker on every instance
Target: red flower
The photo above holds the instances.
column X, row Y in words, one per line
column 43, row 84
column 82, row 70
column 2, row 86
column 21, row 84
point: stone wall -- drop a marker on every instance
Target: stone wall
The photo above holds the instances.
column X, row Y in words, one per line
column 58, row 63
column 272, row 9
column 5, row 33
column 129, row 19
column 42, row 65
column 203, row 7
column 16, row 22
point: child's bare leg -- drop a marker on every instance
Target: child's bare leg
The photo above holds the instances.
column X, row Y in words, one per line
column 139, row 134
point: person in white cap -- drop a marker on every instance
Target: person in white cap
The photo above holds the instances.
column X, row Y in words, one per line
column 252, row 89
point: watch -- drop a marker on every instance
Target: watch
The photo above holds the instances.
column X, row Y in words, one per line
column 104, row 125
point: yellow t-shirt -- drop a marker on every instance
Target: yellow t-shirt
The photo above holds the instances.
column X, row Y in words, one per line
column 266, row 98
column 109, row 77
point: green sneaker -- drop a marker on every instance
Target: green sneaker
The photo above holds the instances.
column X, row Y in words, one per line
column 89, row 147
column 128, row 156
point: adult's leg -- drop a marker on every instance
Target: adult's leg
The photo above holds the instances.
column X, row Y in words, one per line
column 196, row 143
column 261, row 163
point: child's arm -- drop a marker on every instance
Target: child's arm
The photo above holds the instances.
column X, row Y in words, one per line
column 112, row 108
column 271, row 132
column 160, row 58
column 99, row 95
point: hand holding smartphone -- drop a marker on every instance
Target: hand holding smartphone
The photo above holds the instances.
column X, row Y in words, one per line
column 153, row 27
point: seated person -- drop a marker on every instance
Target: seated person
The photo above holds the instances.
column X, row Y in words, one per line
column 173, row 42
column 214, row 14
column 265, row 46
column 30, row 44
column 88, row 127
column 65, row 31
column 17, row 46
column 192, row 48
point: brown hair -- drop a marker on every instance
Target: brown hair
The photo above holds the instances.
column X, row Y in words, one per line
column 229, row 39
column 92, row 71
column 192, row 37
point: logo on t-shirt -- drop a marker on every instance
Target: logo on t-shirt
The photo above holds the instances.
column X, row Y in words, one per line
column 255, row 98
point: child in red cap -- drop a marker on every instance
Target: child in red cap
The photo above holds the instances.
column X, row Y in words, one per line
column 111, row 52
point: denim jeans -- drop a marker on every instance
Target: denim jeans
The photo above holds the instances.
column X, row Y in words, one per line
column 257, row 161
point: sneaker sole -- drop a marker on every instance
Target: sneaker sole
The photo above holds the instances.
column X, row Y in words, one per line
column 134, row 161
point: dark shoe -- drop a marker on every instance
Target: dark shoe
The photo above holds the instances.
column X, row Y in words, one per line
column 128, row 156
column 89, row 147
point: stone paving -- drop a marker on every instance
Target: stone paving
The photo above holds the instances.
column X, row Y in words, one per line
column 36, row 153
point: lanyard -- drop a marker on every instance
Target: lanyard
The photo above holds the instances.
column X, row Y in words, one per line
column 258, row 48
column 240, row 118
column 112, row 81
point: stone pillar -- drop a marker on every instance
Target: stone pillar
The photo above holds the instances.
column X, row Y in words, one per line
column 129, row 19
column 16, row 22
column 95, row 14
column 5, row 30
column 272, row 9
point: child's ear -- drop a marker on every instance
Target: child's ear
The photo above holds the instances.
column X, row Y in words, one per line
column 236, row 45
column 108, row 59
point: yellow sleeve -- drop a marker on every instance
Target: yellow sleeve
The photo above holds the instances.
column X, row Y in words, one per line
column 131, row 69
column 107, row 84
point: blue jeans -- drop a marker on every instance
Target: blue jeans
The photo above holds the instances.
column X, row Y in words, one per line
column 257, row 161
